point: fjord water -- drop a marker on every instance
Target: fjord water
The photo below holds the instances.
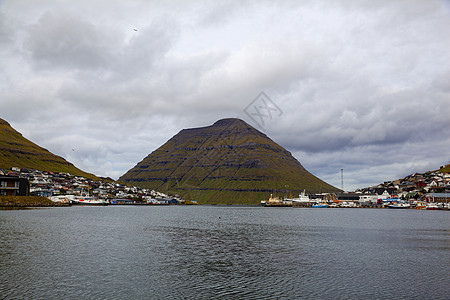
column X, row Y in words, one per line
column 207, row 252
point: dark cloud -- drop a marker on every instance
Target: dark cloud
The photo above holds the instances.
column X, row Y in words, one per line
column 6, row 31
column 68, row 41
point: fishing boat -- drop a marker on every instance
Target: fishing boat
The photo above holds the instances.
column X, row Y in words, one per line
column 302, row 198
column 275, row 201
column 421, row 205
column 399, row 205
column 88, row 201
column 432, row 206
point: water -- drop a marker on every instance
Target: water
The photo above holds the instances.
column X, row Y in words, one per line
column 208, row 252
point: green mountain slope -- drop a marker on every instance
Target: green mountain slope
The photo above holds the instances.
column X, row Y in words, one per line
column 229, row 162
column 17, row 151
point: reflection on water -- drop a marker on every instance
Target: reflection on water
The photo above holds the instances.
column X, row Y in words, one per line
column 204, row 252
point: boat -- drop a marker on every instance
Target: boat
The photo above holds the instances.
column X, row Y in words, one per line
column 275, row 201
column 421, row 205
column 320, row 205
column 399, row 205
column 61, row 199
column 432, row 206
column 345, row 204
column 302, row 198
column 88, row 201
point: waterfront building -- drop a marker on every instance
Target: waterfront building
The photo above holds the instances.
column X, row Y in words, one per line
column 438, row 197
column 14, row 186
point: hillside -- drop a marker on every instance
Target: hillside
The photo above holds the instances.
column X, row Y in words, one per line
column 17, row 151
column 444, row 169
column 229, row 162
column 437, row 181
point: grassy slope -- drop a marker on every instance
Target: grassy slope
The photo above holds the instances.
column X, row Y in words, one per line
column 445, row 169
column 17, row 151
column 12, row 202
column 25, row 200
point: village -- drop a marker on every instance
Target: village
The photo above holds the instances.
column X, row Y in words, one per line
column 66, row 187
column 429, row 187
column 429, row 190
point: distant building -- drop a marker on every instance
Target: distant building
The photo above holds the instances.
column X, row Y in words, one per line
column 14, row 186
column 348, row 197
column 438, row 197
column 384, row 191
column 121, row 201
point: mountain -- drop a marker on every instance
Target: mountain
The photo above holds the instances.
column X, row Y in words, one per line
column 229, row 162
column 17, row 151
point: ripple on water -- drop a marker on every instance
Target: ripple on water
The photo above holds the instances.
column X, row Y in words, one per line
column 247, row 253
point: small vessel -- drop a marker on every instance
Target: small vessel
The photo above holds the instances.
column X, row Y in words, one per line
column 61, row 199
column 345, row 204
column 399, row 205
column 421, row 205
column 432, row 206
column 88, row 201
column 302, row 198
column 275, row 201
column 320, row 205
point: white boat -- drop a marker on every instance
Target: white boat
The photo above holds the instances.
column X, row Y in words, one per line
column 432, row 206
column 346, row 204
column 399, row 205
column 302, row 198
column 88, row 201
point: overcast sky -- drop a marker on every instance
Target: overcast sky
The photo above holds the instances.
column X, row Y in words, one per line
column 362, row 86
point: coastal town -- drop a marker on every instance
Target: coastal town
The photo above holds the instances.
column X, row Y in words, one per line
column 71, row 189
column 430, row 191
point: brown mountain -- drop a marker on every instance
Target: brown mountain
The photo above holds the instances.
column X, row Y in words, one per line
column 229, row 162
column 17, row 151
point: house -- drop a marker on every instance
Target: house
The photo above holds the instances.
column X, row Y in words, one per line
column 421, row 184
column 385, row 192
column 407, row 186
column 438, row 197
column 368, row 199
column 348, row 197
column 433, row 183
column 14, row 186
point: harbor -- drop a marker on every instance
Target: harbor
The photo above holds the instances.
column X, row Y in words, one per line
column 428, row 191
column 355, row 200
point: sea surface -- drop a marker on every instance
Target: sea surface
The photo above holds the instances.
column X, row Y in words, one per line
column 215, row 252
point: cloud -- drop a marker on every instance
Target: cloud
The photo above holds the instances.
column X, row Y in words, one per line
column 6, row 36
column 362, row 85
column 67, row 41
